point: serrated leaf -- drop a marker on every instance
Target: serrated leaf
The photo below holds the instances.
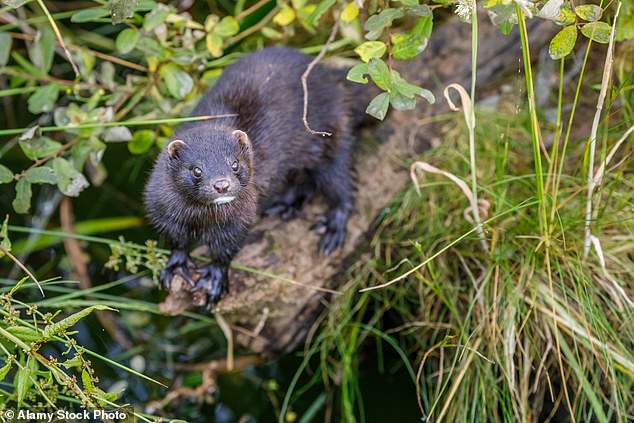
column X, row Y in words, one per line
column 349, row 13
column 371, row 50
column 42, row 50
column 121, row 10
column 214, row 44
column 116, row 134
column 127, row 40
column 322, row 7
column 357, row 73
column 563, row 42
column 6, row 175
column 23, row 379
column 90, row 15
column 155, row 17
column 380, row 74
column 178, row 82
column 227, row 27
column 141, row 141
column 378, row 106
column 63, row 325
column 566, row 16
column 22, row 201
column 285, row 16
column 5, row 47
column 69, row 180
column 25, row 333
column 41, row 175
column 589, row 12
column 598, row 31
column 37, row 148
column 43, row 99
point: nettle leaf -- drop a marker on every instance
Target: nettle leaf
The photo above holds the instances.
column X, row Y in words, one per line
column 43, row 49
column 14, row 3
column 141, row 141
column 70, row 181
column 371, row 50
column 37, row 148
column 5, row 47
column 43, row 99
column 41, row 175
column 155, row 17
column 566, row 16
column 377, row 23
column 6, row 175
column 409, row 45
column 562, row 44
column 227, row 27
column 122, row 10
column 22, row 201
column 126, row 40
column 598, row 31
column 24, row 379
column 4, row 371
column 589, row 12
column 90, row 15
column 357, row 73
column 178, row 82
column 380, row 74
column 349, row 12
column 285, row 16
column 63, row 325
column 378, row 106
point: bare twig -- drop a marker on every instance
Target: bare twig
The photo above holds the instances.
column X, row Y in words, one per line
column 23, row 267
column 307, row 72
column 58, row 34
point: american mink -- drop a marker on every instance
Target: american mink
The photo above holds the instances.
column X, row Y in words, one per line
column 214, row 177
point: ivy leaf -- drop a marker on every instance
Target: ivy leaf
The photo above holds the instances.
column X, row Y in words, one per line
column 43, row 49
column 37, row 148
column 598, row 31
column 22, row 202
column 43, row 99
column 5, row 47
column 41, row 175
column 589, row 12
column 349, row 13
column 141, row 141
column 90, row 15
column 378, row 106
column 69, row 180
column 122, row 9
column 371, row 50
column 126, row 40
column 227, row 27
column 178, row 82
column 562, row 44
column 357, row 73
column 285, row 16
column 380, row 74
column 377, row 23
column 6, row 175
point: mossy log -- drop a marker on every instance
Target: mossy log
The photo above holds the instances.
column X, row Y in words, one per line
column 272, row 315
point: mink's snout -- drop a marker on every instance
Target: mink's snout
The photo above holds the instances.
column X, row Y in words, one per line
column 222, row 186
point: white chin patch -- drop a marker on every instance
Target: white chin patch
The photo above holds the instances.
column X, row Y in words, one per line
column 224, row 200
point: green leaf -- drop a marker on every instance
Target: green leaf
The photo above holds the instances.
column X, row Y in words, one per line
column 141, row 141
column 625, row 28
column 214, row 44
column 37, row 148
column 22, row 202
column 380, row 74
column 598, row 31
column 43, row 99
column 90, row 15
column 87, row 381
column 69, row 180
column 54, row 329
column 349, row 13
column 126, row 40
column 25, row 333
column 409, row 2
column 371, row 50
column 566, row 16
column 5, row 242
column 4, row 371
column 23, row 378
column 377, row 23
column 418, row 11
column 178, row 82
column 14, row 3
column 6, row 175
column 5, row 47
column 155, row 17
column 116, row 134
column 562, row 44
column 41, row 175
column 400, row 102
column 409, row 90
column 121, row 10
column 322, row 7
column 378, row 106
column 43, row 49
column 227, row 27
column 357, row 73
column 589, row 12
column 285, row 16
column 407, row 46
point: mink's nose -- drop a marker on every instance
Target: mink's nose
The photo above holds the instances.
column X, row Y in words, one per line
column 222, row 186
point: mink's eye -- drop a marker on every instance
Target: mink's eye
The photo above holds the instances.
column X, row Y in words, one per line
column 197, row 172
column 235, row 166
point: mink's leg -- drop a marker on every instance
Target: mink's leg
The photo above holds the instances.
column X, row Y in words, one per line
column 290, row 202
column 214, row 281
column 334, row 180
column 177, row 264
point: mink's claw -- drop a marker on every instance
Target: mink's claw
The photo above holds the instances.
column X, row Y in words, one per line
column 214, row 282
column 332, row 229
column 179, row 264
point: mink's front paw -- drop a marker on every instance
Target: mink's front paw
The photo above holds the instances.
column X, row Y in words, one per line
column 332, row 228
column 289, row 203
column 214, row 281
column 178, row 264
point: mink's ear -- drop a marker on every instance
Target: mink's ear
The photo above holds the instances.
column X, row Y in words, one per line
column 174, row 147
column 245, row 144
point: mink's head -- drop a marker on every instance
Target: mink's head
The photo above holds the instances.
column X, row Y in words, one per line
column 209, row 165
